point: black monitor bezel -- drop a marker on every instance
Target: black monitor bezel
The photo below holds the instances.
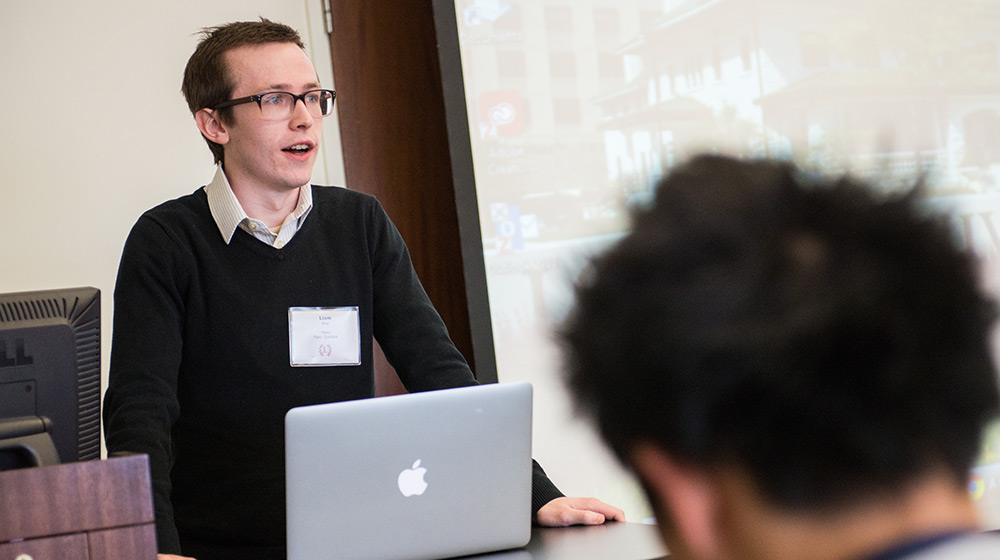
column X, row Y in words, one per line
column 74, row 313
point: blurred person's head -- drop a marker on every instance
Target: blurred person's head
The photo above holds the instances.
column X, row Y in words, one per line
column 773, row 352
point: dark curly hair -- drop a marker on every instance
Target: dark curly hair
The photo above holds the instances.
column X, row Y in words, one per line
column 829, row 339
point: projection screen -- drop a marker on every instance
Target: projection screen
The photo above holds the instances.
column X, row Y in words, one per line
column 563, row 114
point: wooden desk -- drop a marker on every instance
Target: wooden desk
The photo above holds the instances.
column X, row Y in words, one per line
column 95, row 510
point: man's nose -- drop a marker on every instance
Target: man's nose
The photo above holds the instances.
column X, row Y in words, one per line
column 300, row 114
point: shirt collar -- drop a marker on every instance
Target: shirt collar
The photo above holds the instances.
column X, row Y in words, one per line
column 227, row 211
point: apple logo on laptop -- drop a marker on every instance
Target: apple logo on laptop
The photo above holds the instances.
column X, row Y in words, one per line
column 411, row 481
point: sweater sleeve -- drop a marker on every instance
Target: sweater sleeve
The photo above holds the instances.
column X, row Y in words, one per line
column 414, row 337
column 543, row 490
column 406, row 325
column 140, row 404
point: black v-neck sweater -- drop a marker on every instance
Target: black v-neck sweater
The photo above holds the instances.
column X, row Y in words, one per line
column 200, row 376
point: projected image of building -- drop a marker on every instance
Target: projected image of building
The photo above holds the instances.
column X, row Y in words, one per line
column 870, row 87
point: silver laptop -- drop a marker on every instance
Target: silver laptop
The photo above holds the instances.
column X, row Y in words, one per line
column 410, row 477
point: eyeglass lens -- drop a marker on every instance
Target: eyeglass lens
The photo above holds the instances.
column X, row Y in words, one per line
column 280, row 105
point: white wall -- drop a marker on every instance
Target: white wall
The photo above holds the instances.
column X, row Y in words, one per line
column 94, row 129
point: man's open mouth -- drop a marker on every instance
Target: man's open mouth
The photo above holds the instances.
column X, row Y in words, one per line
column 298, row 148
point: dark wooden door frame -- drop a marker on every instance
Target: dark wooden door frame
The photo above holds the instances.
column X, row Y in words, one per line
column 395, row 144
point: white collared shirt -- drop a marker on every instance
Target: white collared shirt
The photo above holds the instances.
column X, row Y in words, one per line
column 228, row 213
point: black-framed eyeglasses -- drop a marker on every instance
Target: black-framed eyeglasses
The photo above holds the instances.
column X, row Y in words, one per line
column 279, row 105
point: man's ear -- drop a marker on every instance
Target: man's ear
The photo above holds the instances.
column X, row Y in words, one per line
column 211, row 126
column 687, row 495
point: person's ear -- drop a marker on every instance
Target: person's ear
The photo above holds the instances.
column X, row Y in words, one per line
column 211, row 126
column 688, row 496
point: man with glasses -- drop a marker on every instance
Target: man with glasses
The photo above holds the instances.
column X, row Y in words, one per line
column 215, row 288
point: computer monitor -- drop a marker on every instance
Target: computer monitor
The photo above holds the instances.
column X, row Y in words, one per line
column 50, row 377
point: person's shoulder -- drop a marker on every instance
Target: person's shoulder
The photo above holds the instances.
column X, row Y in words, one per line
column 340, row 194
column 342, row 203
column 176, row 215
column 194, row 203
column 974, row 546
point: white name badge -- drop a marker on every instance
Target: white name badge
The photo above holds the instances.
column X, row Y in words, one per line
column 324, row 336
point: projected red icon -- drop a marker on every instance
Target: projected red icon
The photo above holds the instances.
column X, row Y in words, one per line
column 500, row 114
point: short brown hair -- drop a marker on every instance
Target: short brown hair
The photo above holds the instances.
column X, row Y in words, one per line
column 207, row 81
